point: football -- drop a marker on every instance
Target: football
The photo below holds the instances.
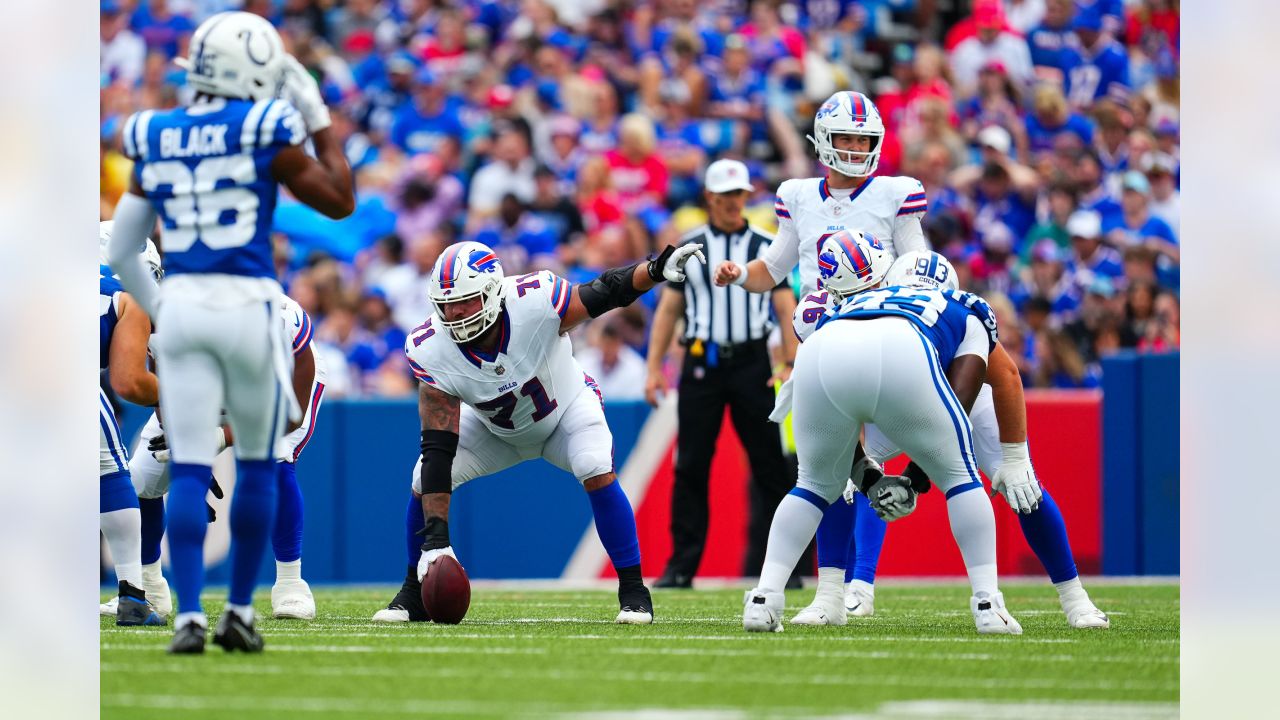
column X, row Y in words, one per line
column 446, row 591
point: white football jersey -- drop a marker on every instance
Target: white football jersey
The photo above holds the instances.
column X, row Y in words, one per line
column 808, row 311
column 297, row 332
column 887, row 207
column 523, row 388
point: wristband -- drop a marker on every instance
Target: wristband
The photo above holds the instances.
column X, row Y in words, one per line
column 1015, row 452
column 742, row 275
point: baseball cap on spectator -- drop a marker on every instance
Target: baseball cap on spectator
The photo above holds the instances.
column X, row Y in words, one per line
column 996, row 138
column 736, row 41
column 1046, row 251
column 1157, row 163
column 109, row 7
column 988, row 14
column 997, row 238
column 500, row 96
column 1084, row 224
column 1137, row 182
column 1088, row 18
column 401, row 62
column 903, row 53
column 549, row 93
column 359, row 42
column 726, row 176
column 564, row 125
column 995, row 66
column 425, row 77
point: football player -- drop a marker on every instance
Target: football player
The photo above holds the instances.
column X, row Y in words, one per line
column 210, row 172
column 848, row 135
column 910, row 360
column 499, row 385
column 122, row 353
column 290, row 596
column 999, row 420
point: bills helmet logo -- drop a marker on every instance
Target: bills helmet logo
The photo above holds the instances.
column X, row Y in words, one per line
column 483, row 261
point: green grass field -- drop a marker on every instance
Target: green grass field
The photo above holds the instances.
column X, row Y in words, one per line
column 539, row 653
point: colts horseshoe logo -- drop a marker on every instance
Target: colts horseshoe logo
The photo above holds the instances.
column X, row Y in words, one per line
column 248, row 48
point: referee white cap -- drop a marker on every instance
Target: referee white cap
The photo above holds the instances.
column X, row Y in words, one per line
column 727, row 176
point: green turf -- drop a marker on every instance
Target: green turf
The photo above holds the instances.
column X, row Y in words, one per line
column 548, row 652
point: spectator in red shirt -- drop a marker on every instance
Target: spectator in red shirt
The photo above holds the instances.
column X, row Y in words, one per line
column 637, row 171
column 968, row 27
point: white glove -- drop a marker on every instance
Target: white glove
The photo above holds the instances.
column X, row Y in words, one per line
column 303, row 92
column 673, row 270
column 782, row 403
column 1016, row 479
column 430, row 556
column 892, row 497
column 849, row 491
column 159, row 446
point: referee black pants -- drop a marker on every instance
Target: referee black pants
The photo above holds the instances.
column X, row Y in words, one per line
column 741, row 383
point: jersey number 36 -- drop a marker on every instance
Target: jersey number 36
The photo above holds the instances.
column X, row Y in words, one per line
column 209, row 203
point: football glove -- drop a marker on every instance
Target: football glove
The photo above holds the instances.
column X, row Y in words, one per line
column 1016, row 479
column 866, row 472
column 892, row 497
column 672, row 267
column 301, row 89
column 429, row 556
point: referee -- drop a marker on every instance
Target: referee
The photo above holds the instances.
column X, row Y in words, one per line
column 726, row 363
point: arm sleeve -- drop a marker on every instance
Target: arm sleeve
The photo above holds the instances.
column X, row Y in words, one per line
column 302, row 333
column 784, row 252
column 134, row 218
column 976, row 339
column 285, row 124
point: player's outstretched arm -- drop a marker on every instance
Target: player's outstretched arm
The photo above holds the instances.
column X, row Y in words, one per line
column 439, row 413
column 619, row 287
column 753, row 277
column 304, row 374
column 127, row 357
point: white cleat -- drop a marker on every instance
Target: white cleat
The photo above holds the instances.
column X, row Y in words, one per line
column 292, row 599
column 395, row 614
column 627, row 616
column 991, row 617
column 859, row 602
column 763, row 611
column 826, row 609
column 1085, row 615
column 108, row 608
column 157, row 590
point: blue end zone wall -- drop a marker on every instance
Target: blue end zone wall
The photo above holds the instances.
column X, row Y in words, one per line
column 355, row 473
column 1141, row 465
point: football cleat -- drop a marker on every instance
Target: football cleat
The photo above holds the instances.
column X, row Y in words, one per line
column 1083, row 615
column 991, row 617
column 292, row 599
column 860, row 602
column 762, row 612
column 636, row 606
column 826, row 609
column 406, row 606
column 188, row 640
column 108, row 608
column 234, row 633
column 132, row 608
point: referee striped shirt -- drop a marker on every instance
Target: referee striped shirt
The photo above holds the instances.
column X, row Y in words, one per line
column 724, row 315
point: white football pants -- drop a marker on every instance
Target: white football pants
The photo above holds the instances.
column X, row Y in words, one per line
column 210, row 358
column 986, row 436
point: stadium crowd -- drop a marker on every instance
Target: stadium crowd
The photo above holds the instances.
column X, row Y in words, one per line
column 573, row 134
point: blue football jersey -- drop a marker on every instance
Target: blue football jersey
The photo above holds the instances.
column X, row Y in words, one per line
column 940, row 315
column 108, row 290
column 206, row 169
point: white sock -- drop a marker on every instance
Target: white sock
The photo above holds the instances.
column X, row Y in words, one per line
column 244, row 611
column 1071, row 591
column 289, row 570
column 863, row 586
column 190, row 617
column 973, row 525
column 830, row 582
column 794, row 523
column 123, row 530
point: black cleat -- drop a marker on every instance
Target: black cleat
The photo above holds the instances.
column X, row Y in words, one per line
column 235, row 634
column 672, row 579
column 188, row 640
column 133, row 609
column 636, row 605
column 406, row 606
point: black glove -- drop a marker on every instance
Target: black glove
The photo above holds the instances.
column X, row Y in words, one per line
column 892, row 497
column 919, row 478
column 216, row 489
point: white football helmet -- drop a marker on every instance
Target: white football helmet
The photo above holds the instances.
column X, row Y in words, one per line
column 150, row 255
column 922, row 268
column 235, row 55
column 851, row 261
column 466, row 270
column 848, row 113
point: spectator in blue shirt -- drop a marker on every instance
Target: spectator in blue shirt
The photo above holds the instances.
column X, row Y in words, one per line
column 737, row 91
column 1104, row 67
column 1050, row 117
column 429, row 123
column 1093, row 192
column 523, row 240
column 1054, row 45
column 1091, row 259
column 159, row 28
column 1137, row 226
